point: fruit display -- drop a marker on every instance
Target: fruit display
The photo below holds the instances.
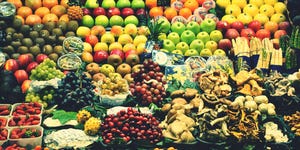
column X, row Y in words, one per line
column 152, row 74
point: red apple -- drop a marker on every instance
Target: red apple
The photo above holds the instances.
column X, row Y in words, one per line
column 21, row 75
column 24, row 60
column 130, row 52
column 263, row 33
column 225, row 44
column 232, row 34
column 284, row 25
column 66, row 72
column 279, row 33
column 11, row 65
column 100, row 56
column 25, row 85
column 247, row 33
column 127, row 12
column 99, row 11
column 223, row 25
column 140, row 11
column 40, row 58
column 91, row 39
column 86, row 11
column 238, row 25
column 31, row 66
column 113, row 11
column 118, row 52
column 255, row 25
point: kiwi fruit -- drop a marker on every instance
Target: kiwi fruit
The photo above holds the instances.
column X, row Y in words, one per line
column 39, row 41
column 61, row 39
column 8, row 49
column 17, row 23
column 57, row 32
column 38, row 27
column 23, row 50
column 27, row 42
column 44, row 33
column 16, row 44
column 62, row 25
column 53, row 56
column 51, row 39
column 33, row 34
column 25, row 29
column 9, row 38
column 49, row 26
column 47, row 49
column 15, row 55
column 70, row 33
column 58, row 49
column 35, row 50
column 72, row 25
column 10, row 31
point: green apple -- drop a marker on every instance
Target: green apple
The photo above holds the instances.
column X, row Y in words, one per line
column 116, row 20
column 136, row 4
column 164, row 50
column 178, row 27
column 203, row 36
column 162, row 36
column 216, row 35
column 177, row 51
column 101, row 20
column 194, row 27
column 123, row 3
column 182, row 46
column 168, row 45
column 212, row 45
column 88, row 21
column 108, row 4
column 197, row 45
column 187, row 36
column 131, row 19
column 191, row 52
column 220, row 52
column 173, row 36
column 91, row 4
column 107, row 38
column 208, row 25
column 165, row 25
column 205, row 53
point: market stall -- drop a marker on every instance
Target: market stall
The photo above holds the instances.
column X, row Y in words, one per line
column 153, row 74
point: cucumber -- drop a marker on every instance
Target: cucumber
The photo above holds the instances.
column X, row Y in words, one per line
column 283, row 43
column 291, row 42
column 296, row 39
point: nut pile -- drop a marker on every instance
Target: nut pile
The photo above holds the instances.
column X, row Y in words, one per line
column 294, row 122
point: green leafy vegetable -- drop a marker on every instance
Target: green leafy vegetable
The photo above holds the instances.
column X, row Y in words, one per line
column 64, row 116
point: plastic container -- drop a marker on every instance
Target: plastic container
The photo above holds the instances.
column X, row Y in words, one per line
column 3, row 122
column 17, row 104
column 73, row 44
column 69, row 62
column 28, row 141
column 12, row 117
column 9, row 108
column 7, row 11
column 116, row 100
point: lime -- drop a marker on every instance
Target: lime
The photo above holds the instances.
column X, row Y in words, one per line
column 87, row 21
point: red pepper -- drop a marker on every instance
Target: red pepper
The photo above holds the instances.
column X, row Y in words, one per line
column 3, row 107
column 21, row 112
column 5, row 112
column 35, row 122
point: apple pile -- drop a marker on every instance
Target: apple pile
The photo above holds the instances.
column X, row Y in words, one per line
column 113, row 13
column 17, row 133
column 3, row 134
column 4, row 110
column 24, row 120
column 32, row 108
column 3, row 122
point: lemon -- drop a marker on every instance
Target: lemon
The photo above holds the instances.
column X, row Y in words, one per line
column 83, row 31
column 280, row 7
column 87, row 47
column 128, row 46
column 115, row 45
column 271, row 2
column 251, row 10
column 100, row 46
column 223, row 3
column 262, row 18
column 233, row 9
column 267, row 9
column 258, row 3
column 229, row 18
column 140, row 48
column 245, row 18
column 240, row 3
column 278, row 18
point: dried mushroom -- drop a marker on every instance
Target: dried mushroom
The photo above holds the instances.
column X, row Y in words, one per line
column 177, row 93
column 293, row 121
column 248, row 83
column 278, row 85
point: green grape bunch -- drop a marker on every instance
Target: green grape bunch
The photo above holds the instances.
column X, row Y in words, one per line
column 46, row 71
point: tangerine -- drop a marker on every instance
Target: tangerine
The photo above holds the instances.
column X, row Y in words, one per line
column 191, row 4
column 64, row 18
column 42, row 11
column 24, row 11
column 49, row 18
column 151, row 3
column 64, row 3
column 33, row 4
column 33, row 19
column 17, row 3
column 185, row 12
column 170, row 13
column 58, row 10
column 50, row 3
column 156, row 11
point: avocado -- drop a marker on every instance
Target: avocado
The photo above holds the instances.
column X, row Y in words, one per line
column 27, row 42
column 33, row 34
column 38, row 27
column 35, row 50
column 8, row 38
column 16, row 44
column 25, row 29
column 49, row 26
column 15, row 55
column 47, row 49
column 61, row 39
column 53, row 56
column 8, row 49
column 296, row 20
column 23, row 50
column 17, row 23
column 17, row 36
column 39, row 41
column 62, row 25
column 10, row 31
column 51, row 39
column 72, row 25
column 3, row 24
column 59, row 50
column 57, row 32
column 44, row 33
column 70, row 33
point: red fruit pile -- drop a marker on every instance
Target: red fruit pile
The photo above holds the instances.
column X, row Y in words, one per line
column 148, row 86
column 32, row 108
column 17, row 133
column 24, row 121
column 130, row 125
column 14, row 147
column 3, row 134
column 3, row 122
column 4, row 110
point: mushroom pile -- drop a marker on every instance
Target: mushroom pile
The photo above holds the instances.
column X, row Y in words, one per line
column 273, row 133
column 293, row 121
column 215, row 82
column 278, row 85
column 248, row 83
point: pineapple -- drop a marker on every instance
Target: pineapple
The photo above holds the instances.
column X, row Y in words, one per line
column 74, row 11
column 92, row 126
column 83, row 116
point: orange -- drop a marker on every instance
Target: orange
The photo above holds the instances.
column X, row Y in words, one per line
column 33, row 19
column 50, row 3
column 151, row 3
column 64, row 3
column 156, row 11
column 33, row 4
column 42, row 11
column 20, row 17
column 24, row 11
column 271, row 26
column 191, row 4
column 58, row 10
column 185, row 12
column 50, row 17
column 64, row 18
column 170, row 13
column 17, row 3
